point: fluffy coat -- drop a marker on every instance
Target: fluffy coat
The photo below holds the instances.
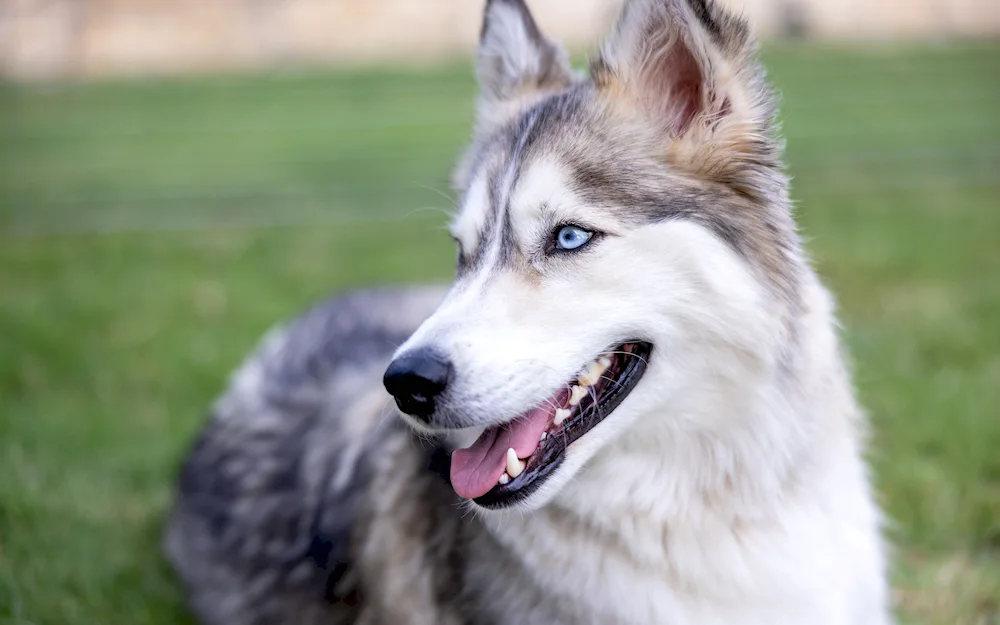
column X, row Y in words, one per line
column 728, row 488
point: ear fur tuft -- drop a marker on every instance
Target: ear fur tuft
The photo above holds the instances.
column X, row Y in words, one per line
column 516, row 62
column 690, row 67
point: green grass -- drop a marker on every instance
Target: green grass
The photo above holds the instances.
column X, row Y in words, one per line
column 140, row 258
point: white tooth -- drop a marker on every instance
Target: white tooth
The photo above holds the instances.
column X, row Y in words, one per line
column 561, row 415
column 600, row 365
column 576, row 394
column 504, row 479
column 544, row 436
column 514, row 464
column 594, row 371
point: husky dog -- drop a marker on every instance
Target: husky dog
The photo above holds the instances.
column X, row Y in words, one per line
column 631, row 407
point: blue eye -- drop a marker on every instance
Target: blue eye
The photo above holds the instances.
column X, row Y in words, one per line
column 572, row 238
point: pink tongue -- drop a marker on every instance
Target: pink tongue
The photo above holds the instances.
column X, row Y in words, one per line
column 476, row 469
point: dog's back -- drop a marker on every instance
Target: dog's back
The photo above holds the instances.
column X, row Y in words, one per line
column 268, row 498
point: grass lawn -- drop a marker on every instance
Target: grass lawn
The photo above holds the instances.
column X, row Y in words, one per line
column 151, row 231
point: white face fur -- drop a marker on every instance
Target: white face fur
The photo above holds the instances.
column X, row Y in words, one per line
column 516, row 334
column 693, row 271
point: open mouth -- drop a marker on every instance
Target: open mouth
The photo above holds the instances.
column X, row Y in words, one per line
column 510, row 461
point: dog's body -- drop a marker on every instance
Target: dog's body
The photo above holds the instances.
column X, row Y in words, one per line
column 643, row 207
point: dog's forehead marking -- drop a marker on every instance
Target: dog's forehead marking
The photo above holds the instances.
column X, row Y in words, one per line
column 543, row 181
column 503, row 246
column 509, row 180
column 484, row 223
column 543, row 195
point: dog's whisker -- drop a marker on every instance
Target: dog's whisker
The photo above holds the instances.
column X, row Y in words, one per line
column 450, row 199
column 624, row 353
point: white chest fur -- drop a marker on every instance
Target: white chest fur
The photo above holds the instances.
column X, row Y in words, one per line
column 619, row 555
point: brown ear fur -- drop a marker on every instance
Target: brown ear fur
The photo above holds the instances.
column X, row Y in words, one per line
column 689, row 67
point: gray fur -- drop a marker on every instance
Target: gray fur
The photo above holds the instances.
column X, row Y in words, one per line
column 269, row 496
column 499, row 75
column 515, row 59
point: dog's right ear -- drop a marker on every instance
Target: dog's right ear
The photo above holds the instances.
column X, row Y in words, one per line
column 517, row 63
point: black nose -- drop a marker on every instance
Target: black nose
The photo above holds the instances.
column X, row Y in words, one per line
column 416, row 379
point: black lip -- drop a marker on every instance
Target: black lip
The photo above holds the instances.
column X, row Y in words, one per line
column 552, row 451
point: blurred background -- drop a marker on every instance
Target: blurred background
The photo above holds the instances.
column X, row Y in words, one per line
column 178, row 175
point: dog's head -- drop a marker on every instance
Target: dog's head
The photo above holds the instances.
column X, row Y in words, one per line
column 625, row 248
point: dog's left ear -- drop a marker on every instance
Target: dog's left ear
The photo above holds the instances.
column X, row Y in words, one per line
column 690, row 67
column 516, row 62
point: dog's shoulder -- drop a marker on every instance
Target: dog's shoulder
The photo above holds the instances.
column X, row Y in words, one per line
column 271, row 490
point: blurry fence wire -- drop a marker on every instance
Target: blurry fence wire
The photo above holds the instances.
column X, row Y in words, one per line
column 354, row 146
